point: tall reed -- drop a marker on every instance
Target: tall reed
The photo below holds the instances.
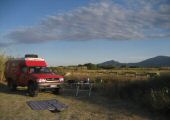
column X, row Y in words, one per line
column 3, row 59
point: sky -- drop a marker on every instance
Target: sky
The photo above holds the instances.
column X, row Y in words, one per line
column 71, row 32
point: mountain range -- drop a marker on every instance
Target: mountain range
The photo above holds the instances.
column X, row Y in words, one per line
column 158, row 61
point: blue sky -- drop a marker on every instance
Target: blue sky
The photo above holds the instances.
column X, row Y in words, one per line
column 67, row 32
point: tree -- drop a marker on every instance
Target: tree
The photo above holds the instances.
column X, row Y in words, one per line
column 91, row 66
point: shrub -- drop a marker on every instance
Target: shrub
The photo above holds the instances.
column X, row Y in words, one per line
column 159, row 98
column 154, row 93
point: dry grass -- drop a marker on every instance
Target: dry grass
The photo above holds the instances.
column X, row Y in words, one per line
column 13, row 107
column 113, row 74
column 109, row 100
column 3, row 59
column 151, row 92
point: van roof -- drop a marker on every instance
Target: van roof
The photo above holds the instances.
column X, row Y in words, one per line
column 31, row 61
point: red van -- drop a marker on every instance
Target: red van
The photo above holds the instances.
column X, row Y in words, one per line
column 32, row 72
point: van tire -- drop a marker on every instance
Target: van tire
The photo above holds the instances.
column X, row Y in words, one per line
column 56, row 91
column 11, row 85
column 32, row 89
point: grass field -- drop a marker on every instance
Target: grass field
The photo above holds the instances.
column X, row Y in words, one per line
column 105, row 103
column 112, row 74
column 13, row 107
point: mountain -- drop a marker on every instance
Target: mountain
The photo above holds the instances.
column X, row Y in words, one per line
column 111, row 63
column 159, row 61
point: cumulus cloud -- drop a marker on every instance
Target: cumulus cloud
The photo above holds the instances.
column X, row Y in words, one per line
column 108, row 20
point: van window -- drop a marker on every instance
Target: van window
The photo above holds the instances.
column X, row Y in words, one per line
column 32, row 70
column 39, row 70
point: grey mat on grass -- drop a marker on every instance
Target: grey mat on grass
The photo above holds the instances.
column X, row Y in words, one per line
column 52, row 105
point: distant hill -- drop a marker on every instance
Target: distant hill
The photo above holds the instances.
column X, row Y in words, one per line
column 159, row 61
column 111, row 63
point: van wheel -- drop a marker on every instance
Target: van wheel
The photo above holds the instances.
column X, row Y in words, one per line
column 32, row 89
column 56, row 91
column 11, row 85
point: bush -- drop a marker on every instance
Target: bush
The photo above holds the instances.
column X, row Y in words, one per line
column 91, row 66
column 159, row 98
column 154, row 93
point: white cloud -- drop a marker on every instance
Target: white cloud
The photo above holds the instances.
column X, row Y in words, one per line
column 104, row 20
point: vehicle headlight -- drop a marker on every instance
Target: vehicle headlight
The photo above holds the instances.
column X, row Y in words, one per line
column 41, row 80
column 61, row 79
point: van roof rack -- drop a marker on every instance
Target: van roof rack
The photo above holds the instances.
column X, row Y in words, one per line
column 31, row 56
